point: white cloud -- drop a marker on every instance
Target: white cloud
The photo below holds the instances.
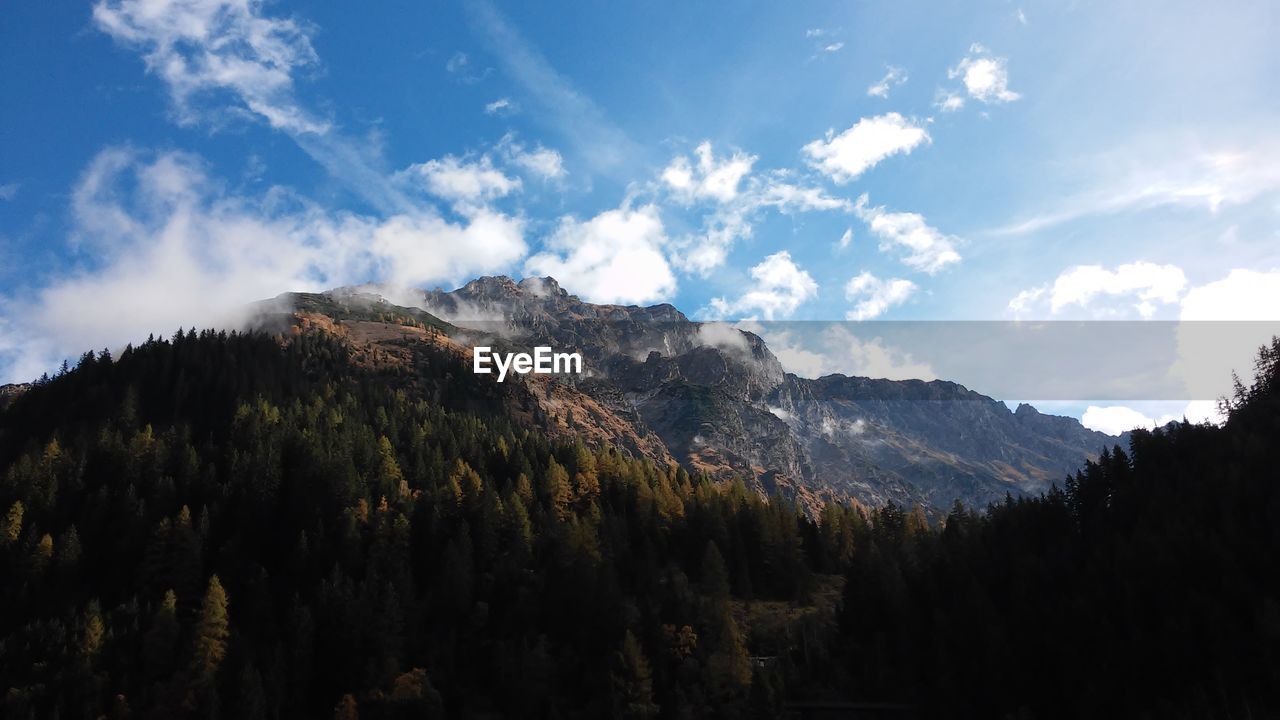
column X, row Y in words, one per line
column 1241, row 295
column 9, row 191
column 615, row 257
column 702, row 253
column 780, row 288
column 172, row 248
column 466, row 183
column 724, row 336
column 1143, row 175
column 814, row 351
column 845, row 156
column 948, row 101
column 985, row 77
column 1145, row 284
column 737, row 196
column 224, row 58
column 833, row 47
column 545, row 163
column 789, row 198
column 1224, row 324
column 874, row 296
column 846, row 238
column 1117, row 419
column 893, row 77
column 501, row 106
column 201, row 47
column 710, row 177
column 928, row 249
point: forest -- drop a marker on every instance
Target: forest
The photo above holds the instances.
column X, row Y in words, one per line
column 228, row 525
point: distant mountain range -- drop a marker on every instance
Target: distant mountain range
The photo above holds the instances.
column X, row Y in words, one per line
column 715, row 399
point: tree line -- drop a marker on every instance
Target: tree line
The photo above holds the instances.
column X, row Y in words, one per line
column 242, row 526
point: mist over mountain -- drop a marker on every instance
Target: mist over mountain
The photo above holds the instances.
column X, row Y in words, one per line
column 715, row 399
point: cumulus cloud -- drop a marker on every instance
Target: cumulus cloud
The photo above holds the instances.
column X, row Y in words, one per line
column 1118, row 419
column 1144, row 284
column 463, row 182
column 1224, row 323
column 893, row 77
column 615, row 257
column 984, row 76
column 707, row 177
column 845, row 156
column 927, row 249
column 874, row 296
column 543, row 163
column 780, row 288
column 171, row 247
column 1241, row 295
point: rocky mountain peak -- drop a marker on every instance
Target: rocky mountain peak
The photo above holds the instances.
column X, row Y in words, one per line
column 717, row 400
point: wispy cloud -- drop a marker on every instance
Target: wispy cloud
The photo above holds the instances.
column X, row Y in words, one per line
column 220, row 57
column 461, row 69
column 202, row 48
column 581, row 124
column 893, row 77
column 501, row 106
column 736, row 195
column 1145, row 175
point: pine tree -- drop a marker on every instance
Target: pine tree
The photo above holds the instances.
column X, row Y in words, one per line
column 161, row 640
column 632, row 681
column 208, row 644
column 11, row 525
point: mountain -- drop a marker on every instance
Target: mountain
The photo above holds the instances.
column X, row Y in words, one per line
column 715, row 398
column 342, row 520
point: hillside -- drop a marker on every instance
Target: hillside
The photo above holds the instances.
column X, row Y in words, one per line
column 306, row 525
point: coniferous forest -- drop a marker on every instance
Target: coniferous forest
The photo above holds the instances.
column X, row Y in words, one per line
column 235, row 526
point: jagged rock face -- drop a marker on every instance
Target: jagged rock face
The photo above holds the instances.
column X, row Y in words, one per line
column 716, row 399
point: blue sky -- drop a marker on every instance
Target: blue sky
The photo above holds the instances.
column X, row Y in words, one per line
column 162, row 163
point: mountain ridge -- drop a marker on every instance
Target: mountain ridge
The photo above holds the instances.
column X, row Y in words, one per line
column 714, row 398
